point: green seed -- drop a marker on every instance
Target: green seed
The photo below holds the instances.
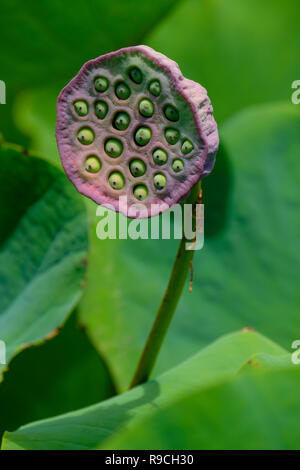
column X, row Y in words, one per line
column 122, row 91
column 146, row 107
column 113, row 147
column 187, row 146
column 143, row 135
column 160, row 156
column 172, row 135
column 177, row 165
column 171, row 113
column 81, row 107
column 159, row 181
column 154, row 87
column 136, row 75
column 116, row 180
column 121, row 121
column 101, row 109
column 92, row 164
column 137, row 167
column 140, row 192
column 101, row 84
column 86, row 136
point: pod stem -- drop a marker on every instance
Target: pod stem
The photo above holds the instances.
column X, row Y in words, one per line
column 168, row 304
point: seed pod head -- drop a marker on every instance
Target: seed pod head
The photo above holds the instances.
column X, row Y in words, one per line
column 129, row 124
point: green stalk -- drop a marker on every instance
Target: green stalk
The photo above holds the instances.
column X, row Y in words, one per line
column 168, row 305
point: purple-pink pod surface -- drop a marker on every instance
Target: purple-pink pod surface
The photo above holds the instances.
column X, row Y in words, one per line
column 132, row 130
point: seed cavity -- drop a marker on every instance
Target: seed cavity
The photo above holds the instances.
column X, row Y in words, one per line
column 160, row 156
column 113, row 148
column 154, row 87
column 116, row 180
column 140, row 192
column 122, row 91
column 86, row 136
column 172, row 135
column 137, row 167
column 146, row 107
column 101, row 109
column 143, row 136
column 171, row 113
column 81, row 107
column 92, row 164
column 160, row 181
column 187, row 146
column 136, row 75
column 178, row 165
column 101, row 84
column 121, row 121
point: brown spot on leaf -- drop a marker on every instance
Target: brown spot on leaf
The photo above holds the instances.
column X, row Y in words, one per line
column 248, row 328
column 53, row 333
column 84, row 261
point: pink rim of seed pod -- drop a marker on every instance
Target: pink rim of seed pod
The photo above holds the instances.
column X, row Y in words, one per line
column 132, row 109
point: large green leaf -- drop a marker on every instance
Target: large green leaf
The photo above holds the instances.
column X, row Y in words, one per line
column 62, row 374
column 87, row 428
column 266, row 362
column 256, row 411
column 35, row 116
column 244, row 52
column 43, row 249
column 49, row 41
column 247, row 273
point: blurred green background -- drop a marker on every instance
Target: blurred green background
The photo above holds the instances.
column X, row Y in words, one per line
column 95, row 300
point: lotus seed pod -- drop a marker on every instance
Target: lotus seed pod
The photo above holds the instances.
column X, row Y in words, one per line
column 81, row 107
column 122, row 91
column 149, row 132
column 101, row 84
column 177, row 165
column 92, row 164
column 146, row 107
column 113, row 147
column 137, row 167
column 160, row 181
column 143, row 136
column 85, row 136
column 101, row 109
column 171, row 113
column 154, row 87
column 187, row 146
column 172, row 136
column 116, row 180
column 136, row 75
column 160, row 156
column 140, row 192
column 121, row 121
